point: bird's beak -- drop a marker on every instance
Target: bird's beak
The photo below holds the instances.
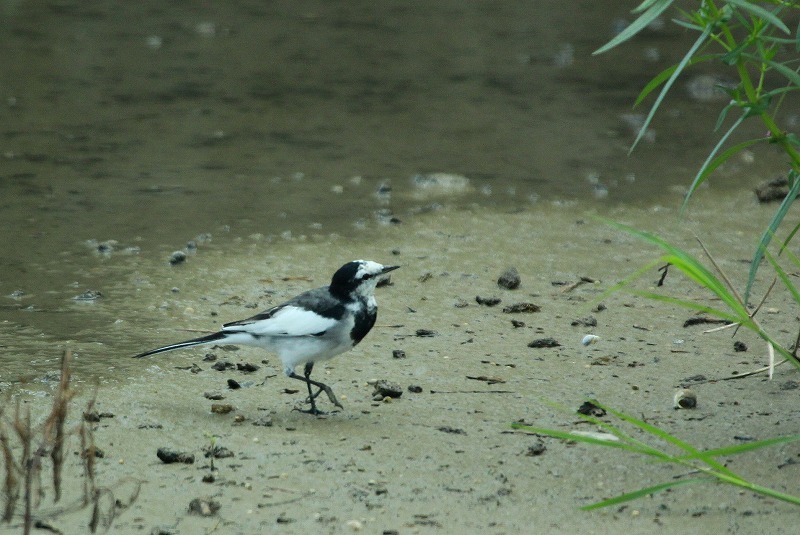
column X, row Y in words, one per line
column 387, row 269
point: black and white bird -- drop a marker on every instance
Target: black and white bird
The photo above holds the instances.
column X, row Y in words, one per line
column 316, row 325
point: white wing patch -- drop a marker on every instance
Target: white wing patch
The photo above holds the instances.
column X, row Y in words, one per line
column 286, row 321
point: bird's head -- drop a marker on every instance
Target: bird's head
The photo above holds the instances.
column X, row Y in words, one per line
column 359, row 277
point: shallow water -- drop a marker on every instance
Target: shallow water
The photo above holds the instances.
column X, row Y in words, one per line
column 236, row 126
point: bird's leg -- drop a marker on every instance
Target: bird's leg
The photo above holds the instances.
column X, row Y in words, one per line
column 322, row 387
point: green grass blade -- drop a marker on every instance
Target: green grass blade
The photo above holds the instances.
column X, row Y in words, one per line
column 652, row 9
column 766, row 237
column 568, row 435
column 644, row 492
column 664, row 75
column 666, row 437
column 740, row 448
column 789, row 74
column 705, row 169
column 784, row 277
column 668, row 84
column 690, row 266
column 766, row 491
column 760, row 12
column 709, row 166
column 697, row 307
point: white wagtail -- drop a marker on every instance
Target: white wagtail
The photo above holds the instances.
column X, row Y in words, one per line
column 316, row 325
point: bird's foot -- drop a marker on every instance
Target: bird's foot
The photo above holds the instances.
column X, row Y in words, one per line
column 329, row 392
column 314, row 411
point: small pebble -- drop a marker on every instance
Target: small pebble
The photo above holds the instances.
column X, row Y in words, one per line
column 589, row 321
column 544, row 342
column 398, row 354
column 221, row 408
column 177, row 257
column 590, row 339
column 168, row 456
column 204, row 506
column 509, row 279
column 522, row 307
column 536, row 449
column 88, row 295
column 384, row 389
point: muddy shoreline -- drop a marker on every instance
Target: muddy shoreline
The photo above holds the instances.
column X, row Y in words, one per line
column 442, row 458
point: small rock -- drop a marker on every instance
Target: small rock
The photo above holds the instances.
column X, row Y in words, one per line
column 215, row 396
column 739, row 346
column 790, row 385
column 398, row 354
column 517, row 324
column 590, row 409
column 425, row 333
column 263, row 421
column 590, row 339
column 487, row 301
column 416, row 389
column 233, row 384
column 178, row 257
column 246, row 367
column 221, row 408
column 522, row 307
column 509, row 279
column 204, row 506
column 93, row 451
column 95, row 416
column 544, row 342
column 599, row 308
column 536, row 449
column 588, row 321
column 218, row 452
column 88, row 295
column 222, row 365
column 169, row 456
column 452, row 430
column 355, row 525
column 384, row 389
column 773, row 190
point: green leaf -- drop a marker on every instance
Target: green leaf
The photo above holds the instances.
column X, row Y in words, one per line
column 784, row 277
column 567, row 435
column 644, row 492
column 652, row 9
column 704, row 171
column 766, row 237
column 709, row 167
column 740, row 448
column 789, row 74
column 665, row 75
column 762, row 13
column 677, row 72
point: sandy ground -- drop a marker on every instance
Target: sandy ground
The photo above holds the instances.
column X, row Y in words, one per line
column 445, row 459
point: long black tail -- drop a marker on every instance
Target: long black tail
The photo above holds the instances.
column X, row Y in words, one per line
column 188, row 343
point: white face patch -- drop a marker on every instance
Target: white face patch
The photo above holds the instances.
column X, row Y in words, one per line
column 368, row 267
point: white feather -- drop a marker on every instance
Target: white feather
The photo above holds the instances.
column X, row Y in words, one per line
column 286, row 321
